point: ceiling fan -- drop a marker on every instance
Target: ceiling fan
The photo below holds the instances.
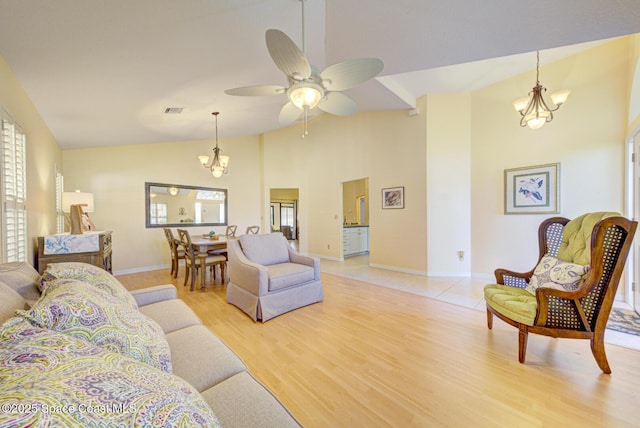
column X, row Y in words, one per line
column 309, row 88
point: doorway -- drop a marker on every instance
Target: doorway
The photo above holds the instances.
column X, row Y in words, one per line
column 355, row 220
column 284, row 213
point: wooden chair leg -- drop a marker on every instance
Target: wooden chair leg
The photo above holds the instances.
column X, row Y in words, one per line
column 187, row 271
column 523, row 334
column 489, row 319
column 222, row 272
column 597, row 348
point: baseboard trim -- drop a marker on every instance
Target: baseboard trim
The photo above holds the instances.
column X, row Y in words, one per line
column 321, row 256
column 399, row 269
column 140, row 269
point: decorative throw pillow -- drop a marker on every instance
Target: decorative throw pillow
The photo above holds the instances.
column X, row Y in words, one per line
column 86, row 273
column 555, row 273
column 58, row 380
column 89, row 313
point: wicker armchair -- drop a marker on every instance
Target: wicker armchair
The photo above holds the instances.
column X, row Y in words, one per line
column 581, row 313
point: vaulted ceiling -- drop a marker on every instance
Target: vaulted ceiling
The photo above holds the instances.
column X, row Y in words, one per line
column 102, row 72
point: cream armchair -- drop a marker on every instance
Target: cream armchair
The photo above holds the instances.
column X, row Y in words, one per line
column 267, row 277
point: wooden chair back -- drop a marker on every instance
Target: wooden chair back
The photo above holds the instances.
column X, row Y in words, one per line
column 253, row 230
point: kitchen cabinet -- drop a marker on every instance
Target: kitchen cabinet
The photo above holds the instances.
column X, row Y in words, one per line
column 355, row 240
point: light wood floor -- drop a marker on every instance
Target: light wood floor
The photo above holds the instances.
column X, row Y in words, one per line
column 372, row 356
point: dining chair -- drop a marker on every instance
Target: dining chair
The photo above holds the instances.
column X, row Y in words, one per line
column 199, row 261
column 177, row 254
column 231, row 231
column 253, row 230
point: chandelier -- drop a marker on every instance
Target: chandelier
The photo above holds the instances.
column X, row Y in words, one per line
column 220, row 162
column 534, row 110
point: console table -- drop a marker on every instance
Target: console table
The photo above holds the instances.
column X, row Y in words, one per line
column 90, row 247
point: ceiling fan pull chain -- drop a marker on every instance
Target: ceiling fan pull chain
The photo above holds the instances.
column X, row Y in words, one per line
column 305, row 129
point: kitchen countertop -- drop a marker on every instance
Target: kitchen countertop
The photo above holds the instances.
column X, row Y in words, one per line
column 347, row 226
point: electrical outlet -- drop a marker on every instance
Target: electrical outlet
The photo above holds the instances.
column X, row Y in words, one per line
column 461, row 255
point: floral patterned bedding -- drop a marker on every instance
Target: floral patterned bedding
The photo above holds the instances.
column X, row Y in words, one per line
column 82, row 310
column 48, row 378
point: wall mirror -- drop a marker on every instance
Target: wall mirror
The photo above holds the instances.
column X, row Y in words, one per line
column 173, row 205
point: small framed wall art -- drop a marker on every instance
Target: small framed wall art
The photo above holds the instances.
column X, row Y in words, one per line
column 532, row 189
column 393, row 198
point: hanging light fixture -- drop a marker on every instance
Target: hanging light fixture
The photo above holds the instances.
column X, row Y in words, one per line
column 220, row 162
column 534, row 110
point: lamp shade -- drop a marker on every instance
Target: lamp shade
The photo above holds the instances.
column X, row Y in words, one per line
column 77, row 198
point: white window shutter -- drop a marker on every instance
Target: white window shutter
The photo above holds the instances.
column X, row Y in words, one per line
column 13, row 190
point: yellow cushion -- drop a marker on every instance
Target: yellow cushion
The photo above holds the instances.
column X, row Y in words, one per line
column 576, row 237
column 513, row 302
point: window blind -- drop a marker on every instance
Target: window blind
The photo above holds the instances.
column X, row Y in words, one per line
column 14, row 190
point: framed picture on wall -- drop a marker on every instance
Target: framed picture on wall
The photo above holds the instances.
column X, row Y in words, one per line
column 532, row 189
column 393, row 198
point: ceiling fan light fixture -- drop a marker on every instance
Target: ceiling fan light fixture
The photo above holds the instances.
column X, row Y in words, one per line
column 305, row 95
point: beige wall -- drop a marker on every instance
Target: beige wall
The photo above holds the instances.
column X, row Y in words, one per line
column 116, row 177
column 450, row 158
column 449, row 183
column 43, row 155
column 587, row 137
column 634, row 97
column 386, row 147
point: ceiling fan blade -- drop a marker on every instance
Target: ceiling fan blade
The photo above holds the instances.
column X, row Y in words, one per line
column 338, row 103
column 287, row 56
column 257, row 90
column 350, row 73
column 289, row 113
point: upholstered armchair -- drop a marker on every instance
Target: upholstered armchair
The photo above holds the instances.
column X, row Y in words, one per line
column 267, row 277
column 570, row 292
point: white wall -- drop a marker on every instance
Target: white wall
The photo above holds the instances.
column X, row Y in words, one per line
column 116, row 177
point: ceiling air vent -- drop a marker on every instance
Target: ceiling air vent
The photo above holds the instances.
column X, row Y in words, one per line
column 173, row 110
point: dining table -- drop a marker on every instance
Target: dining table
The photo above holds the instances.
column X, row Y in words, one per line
column 203, row 245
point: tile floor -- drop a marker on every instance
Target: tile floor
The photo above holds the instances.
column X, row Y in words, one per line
column 463, row 291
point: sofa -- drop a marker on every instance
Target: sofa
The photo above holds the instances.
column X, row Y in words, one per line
column 267, row 277
column 78, row 349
